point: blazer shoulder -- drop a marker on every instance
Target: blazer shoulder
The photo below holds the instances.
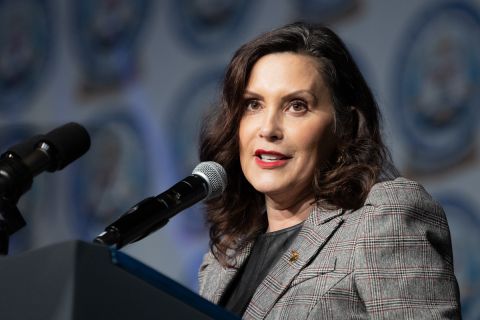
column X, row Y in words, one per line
column 406, row 200
column 404, row 239
column 401, row 191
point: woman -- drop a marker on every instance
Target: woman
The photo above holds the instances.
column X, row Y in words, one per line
column 314, row 222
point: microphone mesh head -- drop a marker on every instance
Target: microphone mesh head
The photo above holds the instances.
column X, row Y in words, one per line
column 215, row 176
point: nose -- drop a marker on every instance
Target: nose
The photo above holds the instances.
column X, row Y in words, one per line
column 271, row 126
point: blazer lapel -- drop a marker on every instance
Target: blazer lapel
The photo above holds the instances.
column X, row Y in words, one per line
column 317, row 229
column 225, row 275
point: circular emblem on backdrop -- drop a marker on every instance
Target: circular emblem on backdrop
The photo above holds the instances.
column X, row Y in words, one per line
column 208, row 24
column 9, row 136
column 195, row 99
column 464, row 224
column 112, row 176
column 323, row 10
column 437, row 92
column 25, row 47
column 106, row 34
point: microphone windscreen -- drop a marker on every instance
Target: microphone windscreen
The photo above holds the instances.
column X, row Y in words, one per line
column 69, row 142
column 215, row 176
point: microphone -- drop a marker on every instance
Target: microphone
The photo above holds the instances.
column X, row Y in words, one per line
column 208, row 180
column 50, row 152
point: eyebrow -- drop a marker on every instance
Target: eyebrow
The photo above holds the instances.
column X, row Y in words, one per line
column 288, row 96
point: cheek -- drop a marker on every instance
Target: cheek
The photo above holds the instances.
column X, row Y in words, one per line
column 244, row 137
column 246, row 132
column 317, row 141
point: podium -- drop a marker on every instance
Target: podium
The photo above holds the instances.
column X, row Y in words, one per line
column 77, row 280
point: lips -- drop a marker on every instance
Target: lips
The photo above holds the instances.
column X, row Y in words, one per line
column 268, row 159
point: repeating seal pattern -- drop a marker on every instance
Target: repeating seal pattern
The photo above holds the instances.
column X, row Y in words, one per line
column 190, row 109
column 26, row 35
column 204, row 25
column 106, row 34
column 112, row 176
column 189, row 229
column 436, row 89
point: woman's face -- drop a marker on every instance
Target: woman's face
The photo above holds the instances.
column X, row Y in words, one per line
column 287, row 126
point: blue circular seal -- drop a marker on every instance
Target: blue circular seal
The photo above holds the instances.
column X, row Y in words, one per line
column 25, row 49
column 194, row 101
column 207, row 24
column 112, row 176
column 106, row 34
column 436, row 89
column 464, row 223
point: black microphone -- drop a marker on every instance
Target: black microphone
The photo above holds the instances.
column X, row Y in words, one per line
column 207, row 181
column 50, row 152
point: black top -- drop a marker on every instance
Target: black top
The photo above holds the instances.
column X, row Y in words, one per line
column 266, row 251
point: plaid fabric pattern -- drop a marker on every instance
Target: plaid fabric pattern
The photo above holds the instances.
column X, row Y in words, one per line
column 391, row 259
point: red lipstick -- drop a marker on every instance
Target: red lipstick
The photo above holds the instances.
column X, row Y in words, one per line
column 268, row 159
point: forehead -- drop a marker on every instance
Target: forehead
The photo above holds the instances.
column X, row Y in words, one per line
column 299, row 71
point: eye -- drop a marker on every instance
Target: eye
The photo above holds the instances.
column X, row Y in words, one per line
column 297, row 106
column 252, row 105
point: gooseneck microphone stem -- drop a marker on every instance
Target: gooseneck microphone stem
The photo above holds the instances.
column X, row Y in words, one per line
column 153, row 213
column 11, row 220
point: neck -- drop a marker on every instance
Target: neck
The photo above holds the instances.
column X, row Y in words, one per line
column 283, row 214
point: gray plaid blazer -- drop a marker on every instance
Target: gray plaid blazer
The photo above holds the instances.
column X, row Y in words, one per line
column 391, row 259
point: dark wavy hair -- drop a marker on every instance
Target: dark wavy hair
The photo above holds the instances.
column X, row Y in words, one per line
column 359, row 158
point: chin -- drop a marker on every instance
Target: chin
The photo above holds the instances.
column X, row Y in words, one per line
column 267, row 181
column 267, row 186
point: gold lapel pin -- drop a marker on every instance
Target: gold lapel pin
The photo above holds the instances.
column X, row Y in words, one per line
column 294, row 255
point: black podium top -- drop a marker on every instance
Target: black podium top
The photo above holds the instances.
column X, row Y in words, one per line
column 77, row 280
